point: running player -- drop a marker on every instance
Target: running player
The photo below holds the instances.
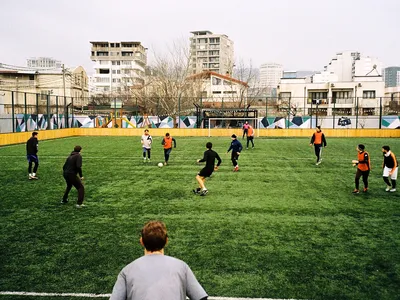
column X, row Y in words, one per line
column 236, row 148
column 319, row 141
column 363, row 164
column 31, row 155
column 390, row 168
column 209, row 157
column 146, row 141
column 167, row 143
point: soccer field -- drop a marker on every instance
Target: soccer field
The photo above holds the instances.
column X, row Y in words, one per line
column 281, row 227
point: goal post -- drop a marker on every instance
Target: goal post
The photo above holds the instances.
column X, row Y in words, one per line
column 232, row 123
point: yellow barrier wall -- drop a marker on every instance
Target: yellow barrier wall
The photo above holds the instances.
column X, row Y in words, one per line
column 22, row 137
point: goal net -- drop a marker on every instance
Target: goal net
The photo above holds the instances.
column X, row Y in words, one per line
column 232, row 123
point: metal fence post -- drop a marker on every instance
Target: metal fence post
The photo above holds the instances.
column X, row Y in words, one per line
column 37, row 112
column 72, row 109
column 25, row 113
column 179, row 111
column 48, row 110
column 12, row 111
column 356, row 112
column 333, row 114
column 58, row 122
column 380, row 113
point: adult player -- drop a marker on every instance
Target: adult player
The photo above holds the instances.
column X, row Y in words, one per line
column 250, row 137
column 146, row 141
column 319, row 141
column 32, row 148
column 236, row 148
column 390, row 169
column 167, row 144
column 71, row 169
column 245, row 129
column 209, row 157
column 363, row 164
column 155, row 275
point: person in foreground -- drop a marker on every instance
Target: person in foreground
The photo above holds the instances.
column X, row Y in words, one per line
column 363, row 164
column 31, row 155
column 155, row 275
column 71, row 169
column 209, row 157
column 390, row 169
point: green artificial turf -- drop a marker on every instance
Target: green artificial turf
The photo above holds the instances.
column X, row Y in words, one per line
column 281, row 227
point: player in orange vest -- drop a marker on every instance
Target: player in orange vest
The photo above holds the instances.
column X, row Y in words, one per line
column 318, row 139
column 363, row 164
column 167, row 143
column 250, row 137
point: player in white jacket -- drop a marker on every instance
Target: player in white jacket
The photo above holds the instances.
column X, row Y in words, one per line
column 146, row 141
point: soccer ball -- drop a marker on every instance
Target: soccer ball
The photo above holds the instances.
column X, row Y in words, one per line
column 160, row 165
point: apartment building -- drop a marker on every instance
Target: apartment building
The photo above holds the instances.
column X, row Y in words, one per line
column 32, row 88
column 270, row 74
column 39, row 63
column 211, row 52
column 392, row 76
column 349, row 64
column 119, row 66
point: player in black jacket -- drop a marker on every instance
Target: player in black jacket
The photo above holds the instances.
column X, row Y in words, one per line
column 31, row 155
column 209, row 157
column 72, row 168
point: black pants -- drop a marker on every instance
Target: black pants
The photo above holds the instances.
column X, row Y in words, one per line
column 234, row 158
column 244, row 132
column 364, row 175
column 148, row 151
column 386, row 180
column 318, row 151
column 167, row 152
column 35, row 168
column 74, row 180
column 250, row 139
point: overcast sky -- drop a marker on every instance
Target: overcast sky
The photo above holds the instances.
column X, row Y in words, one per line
column 301, row 35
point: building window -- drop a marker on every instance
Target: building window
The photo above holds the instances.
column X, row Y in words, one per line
column 44, row 95
column 103, row 62
column 102, row 53
column 230, row 92
column 116, row 63
column 318, row 95
column 285, row 95
column 104, row 71
column 216, row 92
column 127, row 53
column 368, row 94
column 216, row 81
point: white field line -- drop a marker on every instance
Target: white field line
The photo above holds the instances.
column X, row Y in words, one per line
column 84, row 295
column 41, row 157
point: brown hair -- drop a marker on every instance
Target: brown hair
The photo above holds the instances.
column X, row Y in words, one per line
column 154, row 235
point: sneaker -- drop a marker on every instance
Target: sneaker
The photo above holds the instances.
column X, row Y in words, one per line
column 392, row 190
column 148, row 160
column 165, row 163
column 356, row 191
column 64, row 201
column 196, row 191
column 204, row 192
column 388, row 188
column 30, row 177
column 144, row 159
column 80, row 205
column 318, row 163
column 252, row 147
column 365, row 190
column 235, row 169
column 247, row 148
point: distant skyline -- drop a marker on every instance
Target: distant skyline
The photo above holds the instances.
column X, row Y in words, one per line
column 300, row 35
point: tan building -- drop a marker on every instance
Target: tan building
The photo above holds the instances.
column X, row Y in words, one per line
column 220, row 90
column 35, row 88
column 211, row 52
column 119, row 66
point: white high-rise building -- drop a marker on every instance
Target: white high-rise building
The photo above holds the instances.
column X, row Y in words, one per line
column 43, row 63
column 211, row 52
column 349, row 64
column 118, row 66
column 270, row 74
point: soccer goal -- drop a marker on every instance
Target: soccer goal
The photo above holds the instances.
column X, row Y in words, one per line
column 232, row 123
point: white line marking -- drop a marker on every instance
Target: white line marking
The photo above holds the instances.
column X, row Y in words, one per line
column 84, row 295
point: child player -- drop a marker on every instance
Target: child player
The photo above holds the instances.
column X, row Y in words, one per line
column 167, row 143
column 146, row 144
column 236, row 148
